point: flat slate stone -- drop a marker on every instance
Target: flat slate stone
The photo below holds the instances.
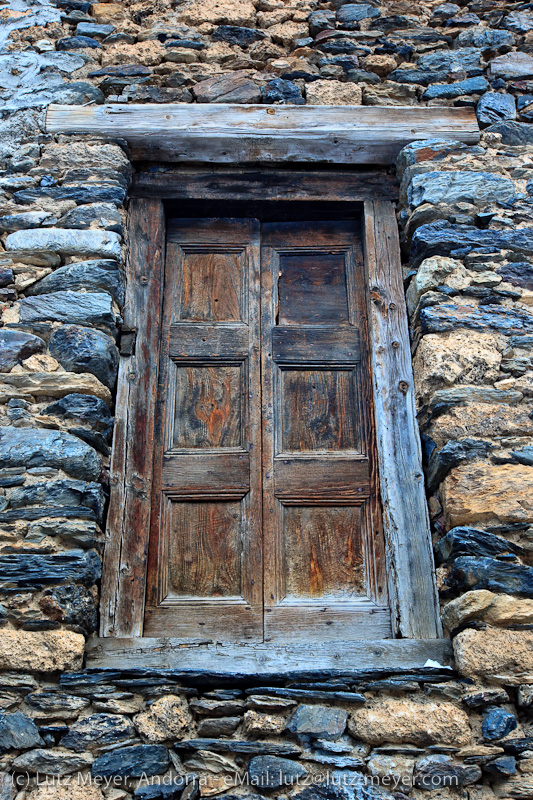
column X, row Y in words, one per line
column 85, row 408
column 448, row 317
column 85, row 308
column 282, row 91
column 97, row 274
column 166, row 791
column 448, row 91
column 355, row 12
column 473, row 394
column 497, row 723
column 467, row 59
column 451, row 455
column 236, row 746
column 465, row 541
column 66, row 242
column 518, row 273
column 55, row 704
column 33, row 447
column 485, row 38
column 71, row 605
column 503, row 766
column 79, row 349
column 421, row 77
column 310, row 694
column 479, row 188
column 18, row 732
column 494, row 107
column 232, row 88
column 512, row 66
column 488, row 573
column 28, row 569
column 64, row 492
column 318, row 722
column 132, row 762
column 76, row 43
column 97, row 731
column 440, row 770
column 233, row 34
column 444, row 239
column 272, row 772
column 513, row 133
column 80, row 193
column 15, row 346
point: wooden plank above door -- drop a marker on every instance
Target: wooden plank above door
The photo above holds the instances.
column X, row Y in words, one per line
column 230, row 133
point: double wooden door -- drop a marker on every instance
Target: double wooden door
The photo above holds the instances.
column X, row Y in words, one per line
column 265, row 521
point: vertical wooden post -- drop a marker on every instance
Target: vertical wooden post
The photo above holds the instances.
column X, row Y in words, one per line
column 128, row 521
column 412, row 589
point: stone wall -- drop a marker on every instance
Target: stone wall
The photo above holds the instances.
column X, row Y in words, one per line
column 467, row 232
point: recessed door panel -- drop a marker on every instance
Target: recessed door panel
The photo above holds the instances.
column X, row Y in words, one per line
column 208, row 406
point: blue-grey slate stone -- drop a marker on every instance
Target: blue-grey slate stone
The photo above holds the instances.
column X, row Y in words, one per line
column 518, row 273
column 33, row 447
column 71, row 605
column 473, row 394
column 465, row 541
column 18, row 732
column 422, row 77
column 448, row 91
column 27, row 219
column 65, row 492
column 133, row 762
column 105, row 244
column 485, row 38
column 497, row 723
column 122, row 71
column 451, row 455
column 7, row 276
column 101, row 215
column 15, row 346
column 479, row 188
column 55, row 704
column 272, row 772
column 443, row 239
column 524, row 105
column 83, row 193
column 469, row 572
column 29, row 569
column 448, row 317
column 503, row 766
column 513, row 133
column 97, row 731
column 519, row 21
column 337, row 46
column 524, row 455
column 321, row 21
column 49, row 762
column 282, row 91
column 352, row 13
column 317, row 722
column 85, row 408
column 494, row 107
column 79, row 349
column 85, row 308
column 233, row 34
column 238, row 746
column 467, row 59
column 97, row 274
column 76, row 42
column 439, row 770
column 94, row 30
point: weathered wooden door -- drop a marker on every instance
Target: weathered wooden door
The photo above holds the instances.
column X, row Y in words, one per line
column 265, row 521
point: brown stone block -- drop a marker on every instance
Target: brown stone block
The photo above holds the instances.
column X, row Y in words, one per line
column 479, row 654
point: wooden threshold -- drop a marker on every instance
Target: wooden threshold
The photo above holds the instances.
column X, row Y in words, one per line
column 221, row 133
column 266, row 659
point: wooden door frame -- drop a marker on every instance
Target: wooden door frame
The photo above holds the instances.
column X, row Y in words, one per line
column 412, row 589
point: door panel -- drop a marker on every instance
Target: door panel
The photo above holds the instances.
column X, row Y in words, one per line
column 265, row 520
column 205, row 543
column 316, row 465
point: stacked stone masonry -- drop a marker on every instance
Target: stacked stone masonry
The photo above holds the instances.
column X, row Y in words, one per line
column 466, row 223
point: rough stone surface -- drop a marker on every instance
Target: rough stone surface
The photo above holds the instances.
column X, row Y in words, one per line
column 148, row 759
column 41, row 448
column 470, row 187
column 80, row 350
column 81, row 243
column 84, row 308
column 88, row 275
column 271, row 772
column 493, row 652
column 495, row 609
column 168, row 718
column 405, row 721
column 97, row 731
column 41, row 651
column 15, row 346
column 18, row 732
column 318, row 722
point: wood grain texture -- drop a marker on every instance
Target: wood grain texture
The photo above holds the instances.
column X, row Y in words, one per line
column 123, row 584
column 232, row 133
column 285, row 660
column 261, row 185
column 312, row 289
column 410, row 569
column 315, row 345
column 207, row 411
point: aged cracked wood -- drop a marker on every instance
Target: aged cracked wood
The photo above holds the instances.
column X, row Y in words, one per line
column 232, row 133
column 410, row 570
column 123, row 584
column 266, row 659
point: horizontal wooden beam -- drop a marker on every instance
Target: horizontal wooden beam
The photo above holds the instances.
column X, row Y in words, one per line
column 243, row 134
column 266, row 658
column 261, row 185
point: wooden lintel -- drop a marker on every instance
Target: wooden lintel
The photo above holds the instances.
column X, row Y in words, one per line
column 262, row 185
column 266, row 659
column 244, row 134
